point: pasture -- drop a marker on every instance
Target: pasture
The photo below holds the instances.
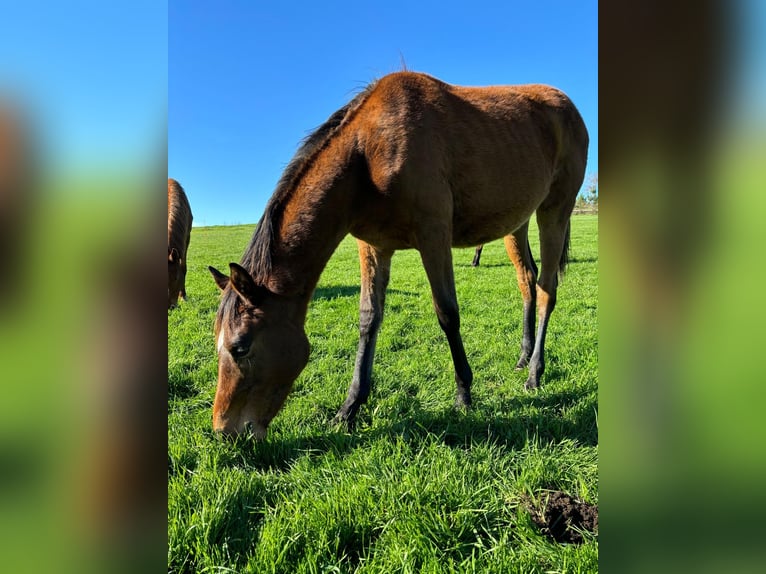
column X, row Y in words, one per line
column 418, row 486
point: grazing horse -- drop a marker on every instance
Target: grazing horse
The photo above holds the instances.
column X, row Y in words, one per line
column 410, row 163
column 179, row 233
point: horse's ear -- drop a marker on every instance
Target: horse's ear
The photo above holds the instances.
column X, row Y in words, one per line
column 220, row 279
column 173, row 256
column 244, row 285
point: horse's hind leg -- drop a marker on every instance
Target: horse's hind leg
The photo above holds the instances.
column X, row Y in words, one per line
column 437, row 260
column 477, row 256
column 517, row 247
column 375, row 267
column 554, row 241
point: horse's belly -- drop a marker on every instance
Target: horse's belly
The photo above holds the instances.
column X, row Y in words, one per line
column 471, row 236
column 493, row 195
column 479, row 222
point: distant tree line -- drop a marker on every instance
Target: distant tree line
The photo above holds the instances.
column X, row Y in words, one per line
column 587, row 201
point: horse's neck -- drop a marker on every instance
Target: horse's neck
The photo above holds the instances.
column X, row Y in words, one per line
column 314, row 221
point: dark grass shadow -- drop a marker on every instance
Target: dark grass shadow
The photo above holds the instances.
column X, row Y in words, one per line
column 518, row 420
column 485, row 265
column 534, row 416
column 180, row 388
column 508, row 263
column 280, row 453
column 338, row 291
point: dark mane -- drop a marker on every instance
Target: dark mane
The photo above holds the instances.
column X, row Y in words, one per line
column 257, row 257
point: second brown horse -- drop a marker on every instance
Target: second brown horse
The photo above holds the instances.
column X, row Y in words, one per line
column 179, row 233
column 411, row 162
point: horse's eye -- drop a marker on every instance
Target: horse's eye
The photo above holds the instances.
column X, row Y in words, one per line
column 239, row 347
column 238, row 351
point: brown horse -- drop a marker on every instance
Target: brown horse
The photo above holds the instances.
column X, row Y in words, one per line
column 179, row 233
column 411, row 162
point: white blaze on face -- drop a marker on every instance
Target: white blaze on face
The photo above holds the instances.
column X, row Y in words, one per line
column 220, row 341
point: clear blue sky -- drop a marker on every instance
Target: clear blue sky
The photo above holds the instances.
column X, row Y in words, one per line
column 92, row 78
column 248, row 80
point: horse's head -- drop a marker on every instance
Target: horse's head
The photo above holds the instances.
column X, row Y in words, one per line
column 261, row 351
column 175, row 276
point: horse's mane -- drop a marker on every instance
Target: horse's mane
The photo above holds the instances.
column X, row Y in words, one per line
column 258, row 255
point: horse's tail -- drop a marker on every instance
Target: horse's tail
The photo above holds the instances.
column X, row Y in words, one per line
column 564, row 253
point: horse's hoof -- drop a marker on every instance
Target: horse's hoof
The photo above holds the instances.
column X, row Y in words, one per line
column 530, row 385
column 338, row 419
column 344, row 418
column 463, row 402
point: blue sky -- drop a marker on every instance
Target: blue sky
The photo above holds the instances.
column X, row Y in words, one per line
column 248, row 80
column 92, row 77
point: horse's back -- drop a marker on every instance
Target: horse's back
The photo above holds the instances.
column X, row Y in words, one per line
column 483, row 156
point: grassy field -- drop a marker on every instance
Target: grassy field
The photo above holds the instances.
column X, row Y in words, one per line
column 418, row 486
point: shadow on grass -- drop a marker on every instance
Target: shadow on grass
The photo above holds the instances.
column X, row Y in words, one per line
column 335, row 291
column 180, row 387
column 485, row 265
column 338, row 291
column 572, row 260
column 518, row 420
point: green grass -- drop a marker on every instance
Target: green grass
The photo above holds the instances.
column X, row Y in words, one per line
column 418, row 486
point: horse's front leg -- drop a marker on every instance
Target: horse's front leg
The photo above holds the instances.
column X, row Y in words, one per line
column 375, row 267
column 437, row 261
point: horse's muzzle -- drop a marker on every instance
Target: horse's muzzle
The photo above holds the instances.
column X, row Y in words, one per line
column 229, row 431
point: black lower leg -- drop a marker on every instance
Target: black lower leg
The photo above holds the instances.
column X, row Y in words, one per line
column 463, row 374
column 375, row 267
column 527, row 337
column 361, row 384
column 537, row 362
column 476, row 257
